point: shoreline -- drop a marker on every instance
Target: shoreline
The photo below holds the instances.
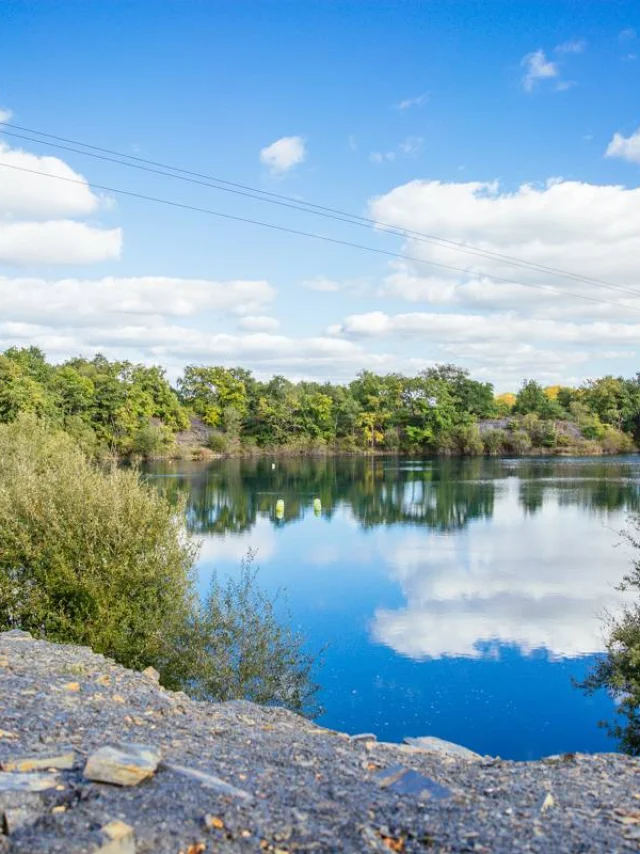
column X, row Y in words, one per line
column 204, row 454
column 234, row 776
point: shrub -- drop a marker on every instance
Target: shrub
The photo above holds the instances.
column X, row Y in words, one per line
column 469, row 440
column 548, row 435
column 235, row 646
column 614, row 441
column 87, row 556
column 519, row 442
column 98, row 557
column 495, row 441
column 217, row 442
column 151, row 441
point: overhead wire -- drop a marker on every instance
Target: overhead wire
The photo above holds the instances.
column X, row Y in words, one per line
column 312, row 235
column 244, row 190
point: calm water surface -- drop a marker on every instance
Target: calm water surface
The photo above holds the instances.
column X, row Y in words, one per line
column 458, row 598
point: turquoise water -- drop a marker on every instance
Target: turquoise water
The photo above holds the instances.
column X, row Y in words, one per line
column 456, row 598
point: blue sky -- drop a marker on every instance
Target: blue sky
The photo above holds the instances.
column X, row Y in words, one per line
column 511, row 126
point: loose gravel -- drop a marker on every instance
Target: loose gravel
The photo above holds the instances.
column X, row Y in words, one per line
column 240, row 777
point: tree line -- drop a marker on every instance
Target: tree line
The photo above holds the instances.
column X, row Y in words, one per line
column 121, row 408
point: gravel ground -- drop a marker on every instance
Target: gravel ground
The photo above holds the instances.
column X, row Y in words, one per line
column 239, row 777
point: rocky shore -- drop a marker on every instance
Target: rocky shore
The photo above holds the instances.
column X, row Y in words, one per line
column 95, row 758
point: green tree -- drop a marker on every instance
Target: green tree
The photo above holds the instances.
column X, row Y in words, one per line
column 19, row 392
column 531, row 398
column 209, row 391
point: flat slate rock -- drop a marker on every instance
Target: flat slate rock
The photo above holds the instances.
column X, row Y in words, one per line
column 447, row 748
column 236, row 777
column 61, row 762
column 404, row 781
column 20, row 782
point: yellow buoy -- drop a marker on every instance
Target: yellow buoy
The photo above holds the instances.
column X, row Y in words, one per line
column 317, row 506
column 279, row 509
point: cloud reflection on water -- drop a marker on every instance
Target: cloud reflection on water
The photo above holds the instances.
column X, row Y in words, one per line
column 540, row 581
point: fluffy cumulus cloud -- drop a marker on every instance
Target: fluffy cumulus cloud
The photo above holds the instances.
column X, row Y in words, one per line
column 28, row 188
column 283, row 154
column 37, row 211
column 490, row 311
column 468, row 596
column 57, row 242
column 625, row 147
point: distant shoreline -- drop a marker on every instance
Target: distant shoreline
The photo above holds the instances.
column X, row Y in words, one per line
column 204, row 454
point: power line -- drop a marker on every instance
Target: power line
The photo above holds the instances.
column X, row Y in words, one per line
column 201, row 179
column 323, row 237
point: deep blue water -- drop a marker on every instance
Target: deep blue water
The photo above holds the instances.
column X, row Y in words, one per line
column 457, row 598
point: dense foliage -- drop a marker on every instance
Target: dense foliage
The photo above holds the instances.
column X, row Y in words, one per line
column 125, row 409
column 99, row 558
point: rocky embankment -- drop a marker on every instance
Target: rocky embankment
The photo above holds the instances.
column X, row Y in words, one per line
column 95, row 758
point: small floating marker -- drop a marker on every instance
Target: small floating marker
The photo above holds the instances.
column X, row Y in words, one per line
column 279, row 509
column 317, row 506
column 273, row 465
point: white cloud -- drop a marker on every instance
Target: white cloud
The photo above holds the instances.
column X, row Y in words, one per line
column 418, row 101
column 167, row 321
column 382, row 156
column 5, row 115
column 115, row 301
column 465, row 328
column 572, row 46
column 37, row 196
column 321, row 283
column 258, row 323
column 589, row 229
column 174, row 345
column 627, row 148
column 537, row 67
column 411, row 145
column 284, row 154
column 482, row 314
column 627, row 35
column 57, row 242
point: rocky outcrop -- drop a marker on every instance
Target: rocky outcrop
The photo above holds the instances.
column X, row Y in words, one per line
column 95, row 758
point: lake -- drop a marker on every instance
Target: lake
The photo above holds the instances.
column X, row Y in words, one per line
column 456, row 597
